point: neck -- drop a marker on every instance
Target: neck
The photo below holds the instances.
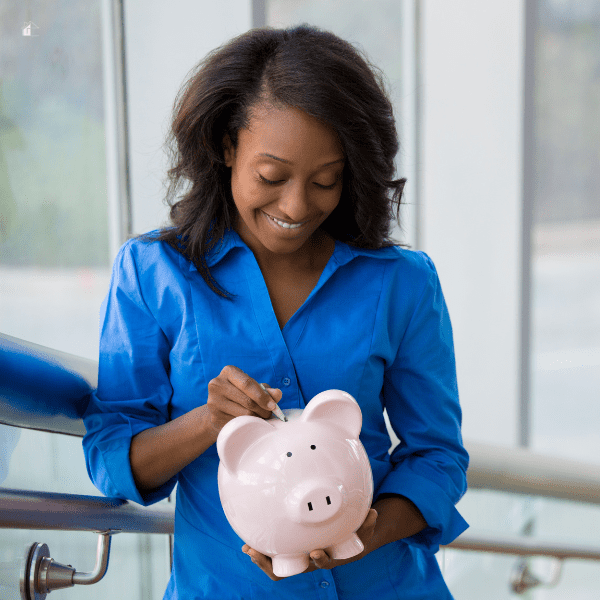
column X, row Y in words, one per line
column 313, row 255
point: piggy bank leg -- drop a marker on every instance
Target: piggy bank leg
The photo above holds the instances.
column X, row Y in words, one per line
column 347, row 549
column 286, row 565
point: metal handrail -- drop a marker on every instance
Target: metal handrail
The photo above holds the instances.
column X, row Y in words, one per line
column 521, row 471
column 492, row 467
column 523, row 546
column 42, row 388
column 22, row 509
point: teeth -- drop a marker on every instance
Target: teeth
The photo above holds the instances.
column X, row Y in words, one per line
column 285, row 225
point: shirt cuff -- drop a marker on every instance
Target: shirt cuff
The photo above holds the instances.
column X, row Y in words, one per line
column 444, row 522
column 114, row 454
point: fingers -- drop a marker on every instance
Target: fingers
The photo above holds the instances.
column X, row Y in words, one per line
column 275, row 393
column 249, row 389
column 366, row 529
column 371, row 518
column 321, row 559
column 261, row 561
column 233, row 393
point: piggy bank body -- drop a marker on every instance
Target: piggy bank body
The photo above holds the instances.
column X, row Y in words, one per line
column 288, row 488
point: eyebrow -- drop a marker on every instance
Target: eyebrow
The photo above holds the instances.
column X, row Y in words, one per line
column 288, row 162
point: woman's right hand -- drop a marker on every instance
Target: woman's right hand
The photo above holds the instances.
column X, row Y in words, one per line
column 158, row 453
column 233, row 393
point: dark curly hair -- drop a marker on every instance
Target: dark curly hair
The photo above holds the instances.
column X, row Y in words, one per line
column 302, row 67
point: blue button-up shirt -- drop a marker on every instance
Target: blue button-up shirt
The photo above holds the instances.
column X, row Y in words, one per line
column 375, row 326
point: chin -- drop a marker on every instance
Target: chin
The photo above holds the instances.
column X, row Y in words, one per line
column 285, row 248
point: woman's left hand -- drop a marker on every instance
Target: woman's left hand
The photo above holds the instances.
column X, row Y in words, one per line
column 319, row 559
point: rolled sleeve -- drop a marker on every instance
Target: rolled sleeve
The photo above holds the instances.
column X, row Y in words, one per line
column 421, row 398
column 134, row 390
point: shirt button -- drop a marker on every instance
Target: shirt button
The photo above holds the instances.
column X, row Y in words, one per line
column 324, row 584
column 286, row 381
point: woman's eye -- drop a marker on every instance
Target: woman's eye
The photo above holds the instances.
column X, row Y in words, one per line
column 269, row 181
column 276, row 181
column 332, row 185
column 326, row 187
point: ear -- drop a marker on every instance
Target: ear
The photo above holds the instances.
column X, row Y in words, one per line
column 237, row 436
column 228, row 150
column 337, row 407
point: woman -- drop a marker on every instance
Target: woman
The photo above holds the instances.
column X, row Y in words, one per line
column 279, row 270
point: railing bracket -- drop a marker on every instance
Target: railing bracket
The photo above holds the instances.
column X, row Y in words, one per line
column 41, row 574
column 523, row 580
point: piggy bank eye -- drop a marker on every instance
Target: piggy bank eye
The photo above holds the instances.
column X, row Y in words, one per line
column 312, row 447
column 289, row 454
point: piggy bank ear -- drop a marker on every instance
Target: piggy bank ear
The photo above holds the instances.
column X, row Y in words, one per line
column 236, row 437
column 337, row 407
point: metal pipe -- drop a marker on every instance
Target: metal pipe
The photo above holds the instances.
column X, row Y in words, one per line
column 42, row 388
column 20, row 509
column 116, row 120
column 523, row 546
column 521, row 471
column 38, row 510
column 529, row 178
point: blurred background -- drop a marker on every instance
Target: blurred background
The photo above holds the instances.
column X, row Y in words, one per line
column 498, row 109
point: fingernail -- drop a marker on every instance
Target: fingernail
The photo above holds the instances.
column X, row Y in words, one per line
column 271, row 405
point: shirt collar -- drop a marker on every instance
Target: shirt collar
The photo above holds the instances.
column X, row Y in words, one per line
column 381, row 253
column 224, row 246
column 342, row 254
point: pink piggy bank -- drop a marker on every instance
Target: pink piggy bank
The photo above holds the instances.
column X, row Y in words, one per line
column 288, row 488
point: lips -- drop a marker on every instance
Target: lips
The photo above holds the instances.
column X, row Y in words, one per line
column 285, row 224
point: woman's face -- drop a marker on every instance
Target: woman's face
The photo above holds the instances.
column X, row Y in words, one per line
column 286, row 178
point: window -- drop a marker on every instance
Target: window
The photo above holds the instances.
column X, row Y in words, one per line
column 54, row 260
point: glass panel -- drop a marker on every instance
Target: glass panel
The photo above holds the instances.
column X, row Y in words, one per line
column 475, row 575
column 571, row 523
column 34, row 460
column 565, row 349
column 472, row 575
column 54, row 254
column 47, row 462
column 54, row 263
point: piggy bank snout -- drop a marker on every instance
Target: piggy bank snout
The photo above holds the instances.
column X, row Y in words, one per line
column 315, row 500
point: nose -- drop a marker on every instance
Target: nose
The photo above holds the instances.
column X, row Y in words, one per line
column 295, row 204
column 315, row 501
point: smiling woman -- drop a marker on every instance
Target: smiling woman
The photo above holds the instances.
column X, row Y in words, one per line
column 278, row 280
